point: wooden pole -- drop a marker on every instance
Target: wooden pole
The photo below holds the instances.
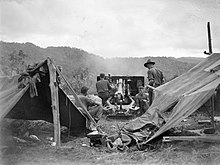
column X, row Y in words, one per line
column 209, row 53
column 76, row 97
column 209, row 39
column 213, row 97
column 213, row 111
column 192, row 138
column 55, row 101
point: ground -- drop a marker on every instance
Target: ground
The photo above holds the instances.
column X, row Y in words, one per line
column 76, row 150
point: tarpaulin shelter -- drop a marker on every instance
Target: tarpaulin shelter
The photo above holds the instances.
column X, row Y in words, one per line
column 179, row 98
column 28, row 96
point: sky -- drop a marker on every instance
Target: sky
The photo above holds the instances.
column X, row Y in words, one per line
column 114, row 28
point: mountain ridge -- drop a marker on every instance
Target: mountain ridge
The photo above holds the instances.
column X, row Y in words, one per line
column 75, row 60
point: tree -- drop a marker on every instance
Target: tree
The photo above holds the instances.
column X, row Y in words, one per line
column 79, row 78
column 13, row 62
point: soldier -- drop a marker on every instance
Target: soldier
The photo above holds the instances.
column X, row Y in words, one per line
column 94, row 108
column 142, row 99
column 103, row 87
column 155, row 77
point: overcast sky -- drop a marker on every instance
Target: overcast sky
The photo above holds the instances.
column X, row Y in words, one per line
column 110, row 28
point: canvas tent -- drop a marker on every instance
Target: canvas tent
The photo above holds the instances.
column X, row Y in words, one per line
column 28, row 96
column 180, row 97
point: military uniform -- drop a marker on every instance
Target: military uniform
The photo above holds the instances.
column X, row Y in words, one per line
column 103, row 88
column 156, row 78
column 93, row 108
column 141, row 101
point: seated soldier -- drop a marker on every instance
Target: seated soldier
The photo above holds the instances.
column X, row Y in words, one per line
column 95, row 109
column 141, row 100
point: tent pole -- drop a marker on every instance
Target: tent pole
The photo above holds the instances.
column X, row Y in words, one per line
column 209, row 37
column 55, row 101
column 75, row 96
column 209, row 40
column 213, row 110
column 209, row 53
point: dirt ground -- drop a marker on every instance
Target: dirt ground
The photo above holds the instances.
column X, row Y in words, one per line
column 76, row 150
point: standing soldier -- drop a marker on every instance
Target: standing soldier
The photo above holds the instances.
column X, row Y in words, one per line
column 155, row 77
column 103, row 87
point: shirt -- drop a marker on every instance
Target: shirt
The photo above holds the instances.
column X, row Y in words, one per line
column 140, row 97
column 87, row 102
column 103, row 86
column 155, row 76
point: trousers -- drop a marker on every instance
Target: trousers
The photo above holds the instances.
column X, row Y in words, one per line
column 104, row 96
column 96, row 112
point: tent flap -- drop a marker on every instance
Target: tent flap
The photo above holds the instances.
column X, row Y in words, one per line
column 10, row 94
column 186, row 93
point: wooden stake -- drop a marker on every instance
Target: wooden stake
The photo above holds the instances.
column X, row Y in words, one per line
column 55, row 101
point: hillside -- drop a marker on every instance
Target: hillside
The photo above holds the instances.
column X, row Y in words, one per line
column 194, row 60
column 76, row 62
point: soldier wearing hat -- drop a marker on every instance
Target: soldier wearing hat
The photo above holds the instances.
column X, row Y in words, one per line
column 155, row 77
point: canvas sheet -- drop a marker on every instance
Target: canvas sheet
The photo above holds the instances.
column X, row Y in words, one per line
column 188, row 104
column 195, row 84
column 9, row 94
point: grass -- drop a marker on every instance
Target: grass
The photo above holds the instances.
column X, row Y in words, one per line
column 74, row 152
